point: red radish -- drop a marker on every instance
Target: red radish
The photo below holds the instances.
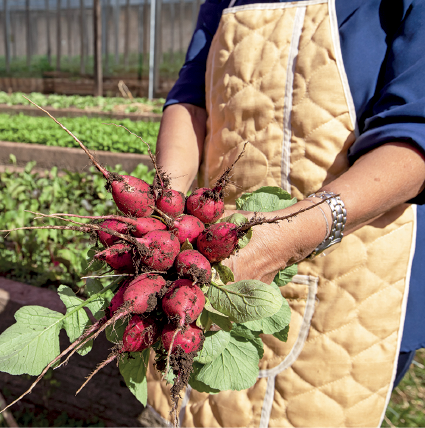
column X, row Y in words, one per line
column 219, row 241
column 183, row 302
column 118, row 257
column 208, row 204
column 140, row 334
column 118, row 300
column 205, row 204
column 160, row 249
column 107, row 239
column 142, row 292
column 193, row 265
column 133, row 196
column 144, row 225
column 189, row 339
column 187, row 227
column 171, row 202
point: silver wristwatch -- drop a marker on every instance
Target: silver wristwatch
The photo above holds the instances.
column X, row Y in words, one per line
column 339, row 218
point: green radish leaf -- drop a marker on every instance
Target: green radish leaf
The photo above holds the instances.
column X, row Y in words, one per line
column 211, row 316
column 274, row 324
column 265, row 199
column 245, row 300
column 204, row 321
column 78, row 321
column 235, row 218
column 30, row 344
column 252, row 336
column 221, row 272
column 97, row 306
column 214, row 344
column 133, row 369
column 236, row 368
column 285, row 275
column 244, row 241
column 197, row 384
column 220, row 320
column 283, row 334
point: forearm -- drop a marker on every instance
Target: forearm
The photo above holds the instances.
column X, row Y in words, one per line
column 379, row 181
column 180, row 142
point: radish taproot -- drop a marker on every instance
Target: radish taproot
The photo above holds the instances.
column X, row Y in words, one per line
column 193, row 265
column 219, row 241
column 141, row 293
column 189, row 339
column 118, row 256
column 183, row 302
column 140, row 334
column 171, row 202
column 159, row 249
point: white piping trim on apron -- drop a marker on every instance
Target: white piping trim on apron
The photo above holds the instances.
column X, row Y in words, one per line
column 403, row 311
column 312, row 283
column 165, row 422
column 184, row 404
column 287, row 106
column 268, row 402
column 270, row 6
column 206, row 179
column 340, row 64
column 271, row 374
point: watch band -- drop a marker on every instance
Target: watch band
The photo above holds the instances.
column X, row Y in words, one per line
column 339, row 218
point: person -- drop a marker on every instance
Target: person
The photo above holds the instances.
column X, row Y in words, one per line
column 330, row 96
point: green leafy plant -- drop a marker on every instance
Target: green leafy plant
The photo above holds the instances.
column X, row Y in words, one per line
column 50, row 257
column 41, row 130
column 83, row 102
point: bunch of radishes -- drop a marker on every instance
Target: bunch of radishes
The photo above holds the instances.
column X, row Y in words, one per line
column 167, row 245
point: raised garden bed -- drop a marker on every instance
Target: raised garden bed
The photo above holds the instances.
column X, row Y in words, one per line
column 76, row 112
column 64, row 158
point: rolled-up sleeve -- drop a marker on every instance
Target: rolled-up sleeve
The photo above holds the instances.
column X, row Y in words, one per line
column 397, row 110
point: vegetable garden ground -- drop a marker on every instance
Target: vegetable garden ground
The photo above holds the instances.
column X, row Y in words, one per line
column 46, row 259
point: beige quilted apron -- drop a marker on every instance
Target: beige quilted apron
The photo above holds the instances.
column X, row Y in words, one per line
column 275, row 77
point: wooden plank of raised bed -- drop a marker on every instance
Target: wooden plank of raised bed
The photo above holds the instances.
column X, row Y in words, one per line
column 76, row 112
column 72, row 159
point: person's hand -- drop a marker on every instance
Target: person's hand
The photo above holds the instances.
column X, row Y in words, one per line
column 257, row 260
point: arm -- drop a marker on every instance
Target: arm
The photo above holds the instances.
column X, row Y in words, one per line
column 180, row 142
column 379, row 181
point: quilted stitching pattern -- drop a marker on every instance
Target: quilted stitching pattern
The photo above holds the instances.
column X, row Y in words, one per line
column 342, row 375
column 259, row 87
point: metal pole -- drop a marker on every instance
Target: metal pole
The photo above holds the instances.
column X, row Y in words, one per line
column 58, row 35
column 6, row 34
column 106, row 35
column 152, row 43
column 181, row 24
column 172, row 18
column 49, row 47
column 28, row 22
column 127, row 33
column 83, row 39
column 97, row 38
column 69, row 29
column 140, row 28
column 117, row 30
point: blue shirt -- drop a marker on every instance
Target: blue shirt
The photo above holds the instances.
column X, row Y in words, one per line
column 383, row 48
